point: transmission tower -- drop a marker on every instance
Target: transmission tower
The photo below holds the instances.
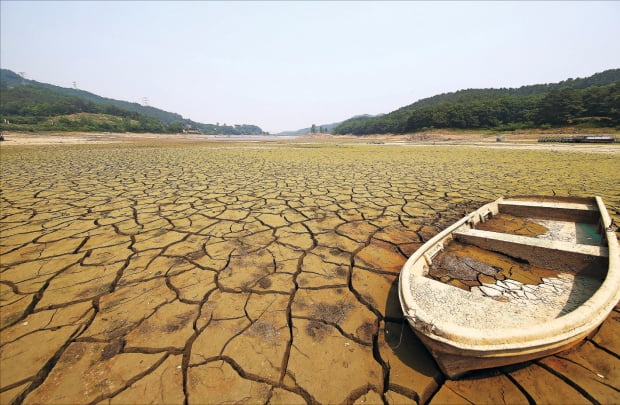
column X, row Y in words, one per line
column 145, row 101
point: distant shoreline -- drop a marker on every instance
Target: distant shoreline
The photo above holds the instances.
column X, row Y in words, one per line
column 524, row 140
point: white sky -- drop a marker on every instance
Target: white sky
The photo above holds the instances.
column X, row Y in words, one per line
column 286, row 65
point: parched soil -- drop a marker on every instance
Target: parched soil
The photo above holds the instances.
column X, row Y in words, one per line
column 179, row 270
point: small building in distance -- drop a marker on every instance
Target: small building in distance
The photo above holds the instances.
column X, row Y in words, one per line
column 190, row 129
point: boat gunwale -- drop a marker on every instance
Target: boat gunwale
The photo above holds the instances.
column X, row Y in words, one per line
column 555, row 332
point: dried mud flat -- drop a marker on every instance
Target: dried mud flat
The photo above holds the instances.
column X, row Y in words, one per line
column 163, row 272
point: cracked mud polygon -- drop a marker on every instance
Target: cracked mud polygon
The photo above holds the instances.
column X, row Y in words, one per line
column 257, row 273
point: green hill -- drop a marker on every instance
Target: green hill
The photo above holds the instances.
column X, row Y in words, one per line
column 593, row 100
column 31, row 105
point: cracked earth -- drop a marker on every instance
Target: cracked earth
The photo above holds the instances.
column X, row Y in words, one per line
column 257, row 273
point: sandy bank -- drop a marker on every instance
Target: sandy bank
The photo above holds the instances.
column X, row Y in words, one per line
column 517, row 140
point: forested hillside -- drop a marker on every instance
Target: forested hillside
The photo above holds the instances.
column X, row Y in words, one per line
column 594, row 100
column 31, row 105
column 39, row 108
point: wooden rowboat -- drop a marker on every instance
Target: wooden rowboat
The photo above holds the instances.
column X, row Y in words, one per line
column 517, row 279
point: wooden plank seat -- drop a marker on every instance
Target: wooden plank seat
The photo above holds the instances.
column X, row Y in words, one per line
column 574, row 257
column 562, row 211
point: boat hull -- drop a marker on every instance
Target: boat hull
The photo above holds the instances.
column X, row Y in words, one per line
column 436, row 311
column 455, row 363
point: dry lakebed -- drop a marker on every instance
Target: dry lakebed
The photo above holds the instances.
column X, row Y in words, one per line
column 205, row 271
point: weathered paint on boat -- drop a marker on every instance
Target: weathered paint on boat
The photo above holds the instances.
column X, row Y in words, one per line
column 466, row 331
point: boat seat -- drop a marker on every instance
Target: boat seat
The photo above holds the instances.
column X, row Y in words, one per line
column 575, row 257
column 563, row 211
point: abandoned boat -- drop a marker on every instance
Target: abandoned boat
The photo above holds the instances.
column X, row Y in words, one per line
column 517, row 279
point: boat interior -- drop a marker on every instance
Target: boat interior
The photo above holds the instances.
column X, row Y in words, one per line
column 522, row 248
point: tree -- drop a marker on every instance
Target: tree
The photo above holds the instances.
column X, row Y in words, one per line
column 560, row 106
column 174, row 127
column 313, row 129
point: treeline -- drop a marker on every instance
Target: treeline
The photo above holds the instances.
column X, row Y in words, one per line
column 88, row 122
column 38, row 108
column 42, row 102
column 10, row 79
column 32, row 106
column 589, row 101
column 559, row 107
column 244, row 129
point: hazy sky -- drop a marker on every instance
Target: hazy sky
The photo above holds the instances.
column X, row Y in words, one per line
column 285, row 65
